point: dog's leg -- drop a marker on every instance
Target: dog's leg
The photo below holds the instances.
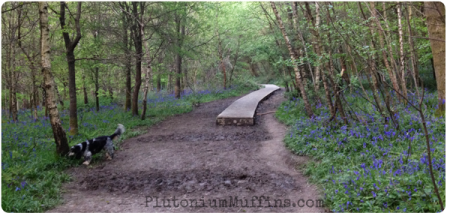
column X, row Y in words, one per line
column 108, row 157
column 109, row 147
column 87, row 158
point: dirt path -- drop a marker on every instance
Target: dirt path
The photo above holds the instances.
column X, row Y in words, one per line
column 189, row 161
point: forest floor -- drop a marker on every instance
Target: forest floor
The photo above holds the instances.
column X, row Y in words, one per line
column 192, row 163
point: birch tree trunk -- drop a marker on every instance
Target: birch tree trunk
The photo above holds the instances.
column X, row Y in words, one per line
column 402, row 55
column 298, row 81
column 62, row 146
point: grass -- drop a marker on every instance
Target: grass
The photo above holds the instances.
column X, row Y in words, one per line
column 368, row 166
column 32, row 174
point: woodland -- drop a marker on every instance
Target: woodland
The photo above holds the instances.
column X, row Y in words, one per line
column 364, row 83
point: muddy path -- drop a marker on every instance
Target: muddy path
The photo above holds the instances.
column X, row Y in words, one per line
column 190, row 164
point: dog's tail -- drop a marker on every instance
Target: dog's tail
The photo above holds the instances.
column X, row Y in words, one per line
column 119, row 131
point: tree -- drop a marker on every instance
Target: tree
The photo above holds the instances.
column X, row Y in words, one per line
column 137, row 38
column 59, row 135
column 435, row 15
column 298, row 80
column 70, row 47
column 180, row 22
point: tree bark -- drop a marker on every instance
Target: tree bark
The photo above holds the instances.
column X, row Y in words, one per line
column 62, row 147
column 96, row 85
column 435, row 15
column 384, row 53
column 70, row 57
column 300, row 38
column 126, row 44
column 180, row 26
column 148, row 73
column 317, row 43
column 402, row 55
column 414, row 67
column 235, row 60
column 372, row 65
column 86, row 101
column 298, row 81
column 222, row 64
column 138, row 47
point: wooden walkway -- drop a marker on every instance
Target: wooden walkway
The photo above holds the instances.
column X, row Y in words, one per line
column 242, row 111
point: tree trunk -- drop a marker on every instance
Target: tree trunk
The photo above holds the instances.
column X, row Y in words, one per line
column 86, row 101
column 62, row 147
column 12, row 74
column 252, row 67
column 70, row 57
column 402, row 55
column 316, row 41
column 158, row 82
column 138, row 47
column 185, row 73
column 96, row 85
column 435, row 15
column 298, row 81
column 414, row 68
column 372, row 66
column 391, row 53
column 148, row 73
column 381, row 40
column 126, row 48
column 299, row 37
column 235, row 60
column 179, row 61
column 169, row 81
column 222, row 65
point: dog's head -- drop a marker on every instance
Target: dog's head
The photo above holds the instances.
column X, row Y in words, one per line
column 76, row 150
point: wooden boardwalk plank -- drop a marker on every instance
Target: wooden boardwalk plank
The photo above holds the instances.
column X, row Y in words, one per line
column 242, row 111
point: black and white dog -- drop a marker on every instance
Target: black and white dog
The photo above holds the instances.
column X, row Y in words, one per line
column 94, row 146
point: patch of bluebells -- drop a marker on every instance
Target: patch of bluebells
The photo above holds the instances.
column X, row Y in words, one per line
column 369, row 163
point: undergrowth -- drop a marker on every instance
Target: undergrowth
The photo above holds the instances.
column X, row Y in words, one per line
column 367, row 165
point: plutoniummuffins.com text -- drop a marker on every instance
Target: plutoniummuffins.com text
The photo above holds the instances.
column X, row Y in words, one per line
column 253, row 202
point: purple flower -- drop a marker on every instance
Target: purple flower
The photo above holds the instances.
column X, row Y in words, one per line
column 374, row 194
